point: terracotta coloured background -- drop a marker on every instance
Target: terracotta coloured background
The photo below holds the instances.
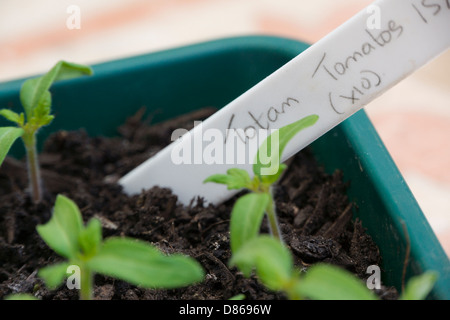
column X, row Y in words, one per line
column 413, row 119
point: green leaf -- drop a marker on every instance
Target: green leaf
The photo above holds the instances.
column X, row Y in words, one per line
column 240, row 174
column 54, row 275
column 10, row 115
column 28, row 93
column 327, row 282
column 271, row 259
column 274, row 178
column 90, row 237
column 240, row 296
column 34, row 92
column 21, row 296
column 45, row 120
column 234, row 179
column 143, row 265
column 43, row 107
column 268, row 157
column 8, row 135
column 246, row 217
column 223, row 179
column 62, row 232
column 420, row 286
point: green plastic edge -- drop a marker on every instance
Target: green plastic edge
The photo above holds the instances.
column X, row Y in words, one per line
column 398, row 198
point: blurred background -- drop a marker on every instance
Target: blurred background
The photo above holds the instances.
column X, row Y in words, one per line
column 413, row 118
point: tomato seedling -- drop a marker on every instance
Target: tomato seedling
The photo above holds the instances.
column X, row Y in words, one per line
column 36, row 101
column 127, row 259
column 248, row 211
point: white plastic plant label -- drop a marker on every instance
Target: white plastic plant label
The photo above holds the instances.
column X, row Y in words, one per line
column 332, row 79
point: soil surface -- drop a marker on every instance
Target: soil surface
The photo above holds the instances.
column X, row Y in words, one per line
column 314, row 212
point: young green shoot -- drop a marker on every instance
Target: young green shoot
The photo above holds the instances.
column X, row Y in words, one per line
column 36, row 101
column 127, row 259
column 249, row 210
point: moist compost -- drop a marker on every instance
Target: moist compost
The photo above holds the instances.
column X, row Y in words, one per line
column 314, row 212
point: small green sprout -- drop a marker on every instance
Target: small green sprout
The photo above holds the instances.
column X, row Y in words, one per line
column 249, row 210
column 36, row 101
column 127, row 259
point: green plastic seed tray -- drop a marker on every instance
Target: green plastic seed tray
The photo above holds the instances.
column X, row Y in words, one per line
column 180, row 80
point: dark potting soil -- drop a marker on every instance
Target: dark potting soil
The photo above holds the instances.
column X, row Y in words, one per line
column 314, row 213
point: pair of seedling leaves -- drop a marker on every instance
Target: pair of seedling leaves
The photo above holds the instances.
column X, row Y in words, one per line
column 268, row 255
column 131, row 260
